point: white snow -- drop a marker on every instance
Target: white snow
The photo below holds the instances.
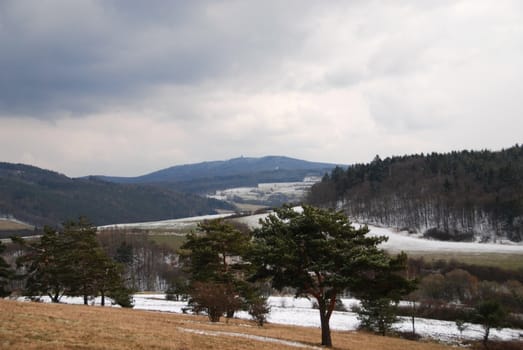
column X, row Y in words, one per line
column 168, row 224
column 249, row 336
column 293, row 191
column 402, row 241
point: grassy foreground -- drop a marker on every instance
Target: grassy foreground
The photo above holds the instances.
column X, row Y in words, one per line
column 25, row 325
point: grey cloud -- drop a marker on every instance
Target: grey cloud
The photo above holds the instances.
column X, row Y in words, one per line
column 116, row 50
column 333, row 81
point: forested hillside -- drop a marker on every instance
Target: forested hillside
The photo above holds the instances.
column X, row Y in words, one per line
column 41, row 197
column 459, row 195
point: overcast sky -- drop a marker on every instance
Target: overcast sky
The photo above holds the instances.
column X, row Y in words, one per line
column 130, row 87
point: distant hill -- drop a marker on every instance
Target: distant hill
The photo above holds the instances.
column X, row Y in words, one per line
column 459, row 195
column 216, row 175
column 39, row 197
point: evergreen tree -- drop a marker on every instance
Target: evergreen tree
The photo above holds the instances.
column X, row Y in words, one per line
column 213, row 257
column 490, row 314
column 317, row 252
column 382, row 294
column 46, row 265
column 86, row 257
column 6, row 273
column 71, row 262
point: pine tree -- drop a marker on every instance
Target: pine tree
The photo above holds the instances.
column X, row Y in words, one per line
column 213, row 257
column 71, row 262
column 382, row 293
column 6, row 273
column 46, row 265
column 317, row 252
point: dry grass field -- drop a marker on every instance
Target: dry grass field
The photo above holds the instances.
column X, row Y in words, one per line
column 25, row 325
column 507, row 261
column 9, row 225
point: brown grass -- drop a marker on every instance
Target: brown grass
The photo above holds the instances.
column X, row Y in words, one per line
column 509, row 261
column 8, row 225
column 25, row 325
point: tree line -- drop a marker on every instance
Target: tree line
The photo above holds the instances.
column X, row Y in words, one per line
column 456, row 196
column 68, row 262
column 454, row 291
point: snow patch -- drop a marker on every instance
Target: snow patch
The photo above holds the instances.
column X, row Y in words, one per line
column 249, row 336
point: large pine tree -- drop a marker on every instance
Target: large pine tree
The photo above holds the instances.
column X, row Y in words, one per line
column 319, row 254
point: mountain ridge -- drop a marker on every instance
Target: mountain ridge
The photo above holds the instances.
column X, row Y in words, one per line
column 45, row 197
column 222, row 168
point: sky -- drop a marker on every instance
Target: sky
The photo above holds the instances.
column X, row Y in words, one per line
column 127, row 87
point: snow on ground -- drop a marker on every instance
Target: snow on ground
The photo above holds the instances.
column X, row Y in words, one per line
column 288, row 310
column 300, row 312
column 293, row 191
column 249, row 336
column 402, row 241
column 168, row 224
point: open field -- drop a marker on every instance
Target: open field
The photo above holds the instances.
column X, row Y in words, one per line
column 25, row 325
column 173, row 241
column 10, row 225
column 502, row 260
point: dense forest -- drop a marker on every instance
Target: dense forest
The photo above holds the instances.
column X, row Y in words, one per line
column 42, row 197
column 459, row 196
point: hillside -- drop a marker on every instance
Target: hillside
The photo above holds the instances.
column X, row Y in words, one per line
column 39, row 197
column 237, row 172
column 26, row 325
column 459, row 196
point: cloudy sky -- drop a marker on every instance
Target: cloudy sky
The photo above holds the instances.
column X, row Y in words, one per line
column 129, row 87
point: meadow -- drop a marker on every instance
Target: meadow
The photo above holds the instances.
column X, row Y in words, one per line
column 27, row 325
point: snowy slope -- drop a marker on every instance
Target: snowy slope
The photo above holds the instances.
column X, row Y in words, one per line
column 402, row 241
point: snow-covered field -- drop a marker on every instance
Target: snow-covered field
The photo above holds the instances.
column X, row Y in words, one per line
column 402, row 241
column 298, row 311
column 292, row 191
column 168, row 224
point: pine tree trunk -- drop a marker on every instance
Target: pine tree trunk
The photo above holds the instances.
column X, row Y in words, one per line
column 413, row 317
column 230, row 313
column 326, row 339
column 485, row 337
